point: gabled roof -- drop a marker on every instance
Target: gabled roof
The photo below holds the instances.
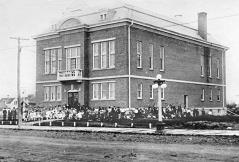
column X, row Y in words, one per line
column 125, row 12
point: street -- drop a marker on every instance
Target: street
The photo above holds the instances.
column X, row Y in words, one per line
column 15, row 146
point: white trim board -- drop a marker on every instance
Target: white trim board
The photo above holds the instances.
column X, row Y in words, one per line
column 103, row 40
column 138, row 77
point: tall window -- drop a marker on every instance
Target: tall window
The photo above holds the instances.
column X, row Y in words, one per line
column 210, row 65
column 218, row 68
column 151, row 92
column 140, row 91
column 58, row 93
column 73, row 58
column 202, row 95
column 96, row 59
column 151, row 57
column 47, row 62
column 53, row 93
column 161, row 58
column 104, row 54
column 202, row 65
column 46, row 93
column 210, row 97
column 139, row 54
column 112, row 54
column 104, row 91
column 218, row 95
column 59, row 59
column 96, row 91
column 53, row 61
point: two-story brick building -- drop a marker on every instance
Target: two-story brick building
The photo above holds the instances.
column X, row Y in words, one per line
column 110, row 57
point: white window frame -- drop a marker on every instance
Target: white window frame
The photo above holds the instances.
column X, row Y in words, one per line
column 59, row 59
column 111, row 53
column 218, row 68
column 103, row 16
column 46, row 93
column 162, row 57
column 47, row 60
column 53, row 66
column 210, row 65
column 58, row 91
column 103, row 53
column 203, row 95
column 151, row 92
column 139, row 53
column 151, row 58
column 202, row 65
column 211, row 95
column 100, row 90
column 52, row 93
column 77, row 57
column 96, row 54
column 140, row 91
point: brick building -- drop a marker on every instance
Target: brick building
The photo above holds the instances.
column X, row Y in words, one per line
column 110, row 57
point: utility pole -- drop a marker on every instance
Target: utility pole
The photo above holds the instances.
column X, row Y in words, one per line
column 18, row 79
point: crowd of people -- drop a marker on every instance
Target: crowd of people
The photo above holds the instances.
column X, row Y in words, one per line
column 86, row 113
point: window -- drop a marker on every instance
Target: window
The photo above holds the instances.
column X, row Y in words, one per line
column 161, row 58
column 210, row 97
column 218, row 95
column 218, row 68
column 210, row 65
column 139, row 54
column 112, row 54
column 59, row 52
column 96, row 61
column 111, row 90
column 53, row 61
column 151, row 57
column 46, row 93
column 202, row 65
column 73, row 58
column 162, row 93
column 53, row 93
column 96, row 91
column 140, row 91
column 103, row 16
column 58, row 93
column 104, row 91
column 104, row 55
column 47, row 62
column 151, row 92
column 202, row 95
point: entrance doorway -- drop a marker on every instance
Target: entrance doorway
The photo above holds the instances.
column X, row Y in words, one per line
column 186, row 101
column 73, row 99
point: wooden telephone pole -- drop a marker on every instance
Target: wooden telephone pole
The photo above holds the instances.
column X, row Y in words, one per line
column 18, row 79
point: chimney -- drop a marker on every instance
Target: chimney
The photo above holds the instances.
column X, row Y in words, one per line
column 202, row 24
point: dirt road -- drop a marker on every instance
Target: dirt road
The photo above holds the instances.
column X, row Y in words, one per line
column 17, row 146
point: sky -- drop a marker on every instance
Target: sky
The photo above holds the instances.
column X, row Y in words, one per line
column 26, row 18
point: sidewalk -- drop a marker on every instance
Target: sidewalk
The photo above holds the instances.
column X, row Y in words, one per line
column 128, row 130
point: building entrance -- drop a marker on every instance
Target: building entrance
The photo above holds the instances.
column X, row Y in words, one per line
column 73, row 99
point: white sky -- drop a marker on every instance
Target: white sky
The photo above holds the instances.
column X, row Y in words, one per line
column 26, row 18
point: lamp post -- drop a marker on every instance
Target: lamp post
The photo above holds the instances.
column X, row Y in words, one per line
column 159, row 83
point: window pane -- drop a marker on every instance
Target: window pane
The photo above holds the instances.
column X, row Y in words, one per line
column 96, row 62
column 46, row 93
column 112, row 54
column 73, row 63
column 139, row 91
column 103, row 54
column 105, row 90
column 73, row 52
column 58, row 93
column 78, row 51
column 53, row 91
column 95, row 91
column 112, row 90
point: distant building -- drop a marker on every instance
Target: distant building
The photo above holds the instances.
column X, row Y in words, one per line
column 110, row 57
column 9, row 102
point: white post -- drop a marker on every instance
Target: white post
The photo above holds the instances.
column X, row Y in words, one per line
column 132, row 124
column 10, row 122
column 160, row 116
column 62, row 124
column 50, row 123
column 39, row 123
column 87, row 124
column 115, row 124
column 101, row 124
column 74, row 124
column 2, row 122
column 150, row 125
